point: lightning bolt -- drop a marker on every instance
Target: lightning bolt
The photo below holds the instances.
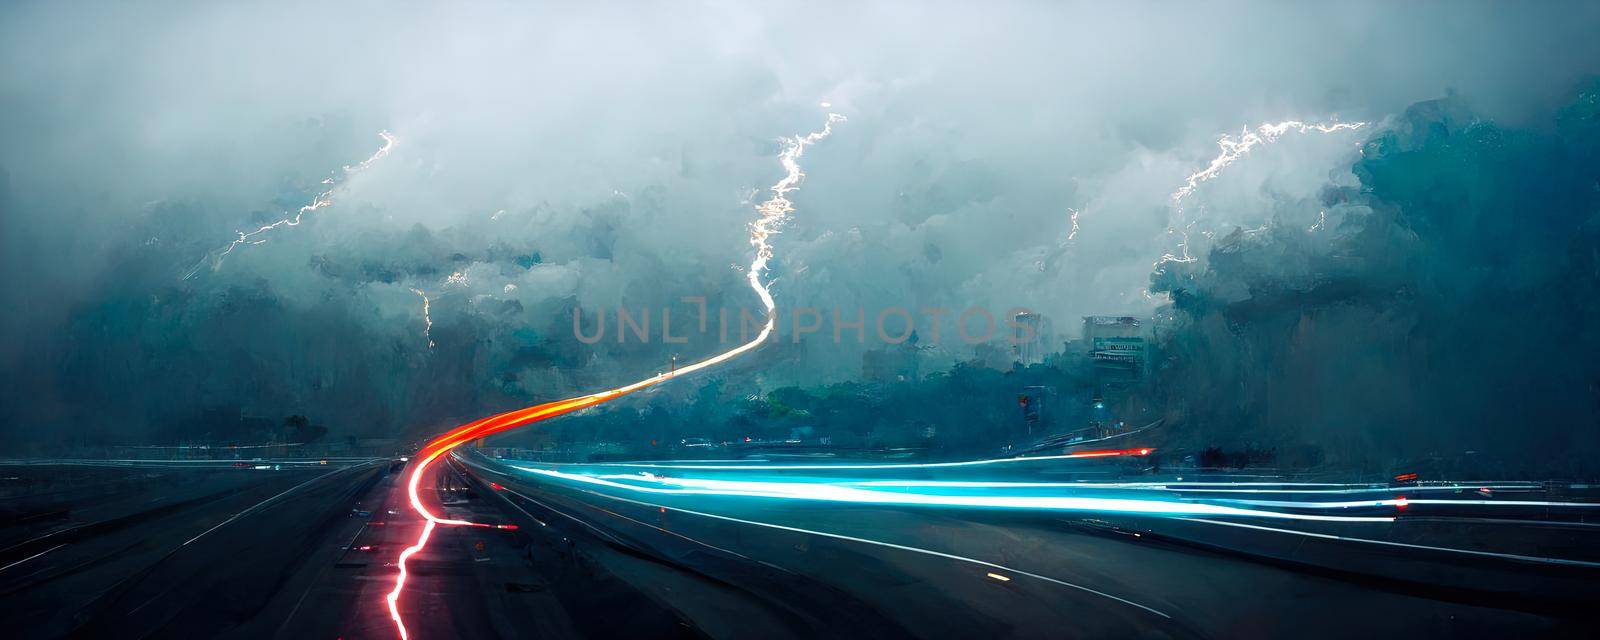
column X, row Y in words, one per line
column 1322, row 221
column 1231, row 150
column 459, row 279
column 427, row 318
column 320, row 201
column 772, row 214
column 1183, row 247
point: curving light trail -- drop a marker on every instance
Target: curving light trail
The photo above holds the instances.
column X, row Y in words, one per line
column 1206, row 487
column 839, row 493
column 772, row 214
column 655, row 492
column 1121, row 498
column 321, row 200
column 1183, row 499
column 908, row 465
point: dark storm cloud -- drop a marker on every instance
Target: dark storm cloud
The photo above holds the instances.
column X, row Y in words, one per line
column 559, row 156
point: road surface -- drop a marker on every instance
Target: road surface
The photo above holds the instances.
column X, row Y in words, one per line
column 307, row 551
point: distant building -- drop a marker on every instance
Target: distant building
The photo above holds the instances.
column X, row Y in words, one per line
column 995, row 354
column 1116, row 344
column 788, row 362
column 1033, row 337
column 894, row 363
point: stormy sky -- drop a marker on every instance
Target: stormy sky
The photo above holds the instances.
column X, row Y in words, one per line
column 563, row 156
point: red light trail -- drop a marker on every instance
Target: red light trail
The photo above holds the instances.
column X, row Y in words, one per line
column 772, row 214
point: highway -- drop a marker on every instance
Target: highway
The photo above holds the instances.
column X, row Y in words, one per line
column 842, row 568
column 297, row 551
column 161, row 549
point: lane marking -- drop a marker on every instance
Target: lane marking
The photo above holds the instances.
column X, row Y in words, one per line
column 32, row 557
column 1329, row 536
column 258, row 505
column 891, row 545
column 639, row 522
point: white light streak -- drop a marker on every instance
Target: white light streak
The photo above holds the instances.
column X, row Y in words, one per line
column 32, row 557
column 1403, row 502
column 905, row 465
column 816, row 492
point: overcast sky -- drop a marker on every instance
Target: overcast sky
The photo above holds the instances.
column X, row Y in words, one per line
column 625, row 142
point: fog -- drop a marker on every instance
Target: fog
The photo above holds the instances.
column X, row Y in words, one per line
column 558, row 157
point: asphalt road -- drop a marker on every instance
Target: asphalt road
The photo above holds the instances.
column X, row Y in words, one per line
column 921, row 572
column 160, row 551
column 308, row 552
column 178, row 551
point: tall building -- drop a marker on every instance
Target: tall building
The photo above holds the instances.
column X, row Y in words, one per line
column 1116, row 344
column 1033, row 337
